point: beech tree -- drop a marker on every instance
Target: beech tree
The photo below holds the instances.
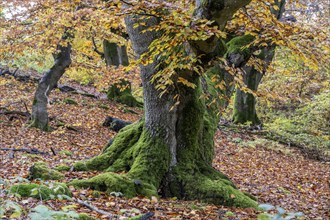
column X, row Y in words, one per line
column 171, row 149
column 182, row 58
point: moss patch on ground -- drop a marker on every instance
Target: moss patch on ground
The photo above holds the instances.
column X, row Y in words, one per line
column 62, row 168
column 39, row 191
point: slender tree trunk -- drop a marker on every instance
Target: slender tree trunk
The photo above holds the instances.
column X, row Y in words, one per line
column 171, row 150
column 48, row 82
column 245, row 103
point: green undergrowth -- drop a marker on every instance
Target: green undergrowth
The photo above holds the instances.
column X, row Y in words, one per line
column 307, row 127
column 34, row 59
column 304, row 126
column 266, row 143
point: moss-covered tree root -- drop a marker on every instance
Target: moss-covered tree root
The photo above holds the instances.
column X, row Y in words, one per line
column 144, row 166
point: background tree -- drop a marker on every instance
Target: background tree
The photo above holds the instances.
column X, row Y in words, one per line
column 115, row 54
column 48, row 82
column 245, row 102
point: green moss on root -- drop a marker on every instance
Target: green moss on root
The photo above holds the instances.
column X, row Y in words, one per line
column 217, row 192
column 112, row 182
column 125, row 139
column 40, row 170
column 144, row 160
column 40, row 191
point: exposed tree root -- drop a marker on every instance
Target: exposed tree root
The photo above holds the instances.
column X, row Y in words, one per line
column 143, row 163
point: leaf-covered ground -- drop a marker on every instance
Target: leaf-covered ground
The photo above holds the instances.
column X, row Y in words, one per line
column 273, row 173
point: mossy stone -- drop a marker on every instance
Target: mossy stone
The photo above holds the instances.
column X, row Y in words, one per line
column 122, row 92
column 239, row 44
column 62, row 168
column 40, row 170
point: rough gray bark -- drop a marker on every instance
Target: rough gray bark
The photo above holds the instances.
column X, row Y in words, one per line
column 186, row 128
column 159, row 120
column 245, row 103
column 48, row 82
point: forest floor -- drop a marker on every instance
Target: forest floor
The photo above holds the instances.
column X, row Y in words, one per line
column 274, row 173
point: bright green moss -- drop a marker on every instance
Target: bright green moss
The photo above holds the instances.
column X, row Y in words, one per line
column 40, row 191
column 112, row 182
column 84, row 216
column 218, row 192
column 62, row 168
column 40, row 170
column 145, row 160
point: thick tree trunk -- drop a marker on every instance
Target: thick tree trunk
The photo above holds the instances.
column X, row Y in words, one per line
column 170, row 151
column 48, row 82
column 115, row 54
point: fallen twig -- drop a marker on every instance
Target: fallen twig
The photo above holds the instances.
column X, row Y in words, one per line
column 64, row 88
column 30, row 151
column 93, row 208
column 146, row 216
column 7, row 112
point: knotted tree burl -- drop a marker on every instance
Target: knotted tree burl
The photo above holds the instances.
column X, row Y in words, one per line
column 170, row 151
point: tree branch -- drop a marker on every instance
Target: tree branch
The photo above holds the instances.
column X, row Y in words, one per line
column 96, row 50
